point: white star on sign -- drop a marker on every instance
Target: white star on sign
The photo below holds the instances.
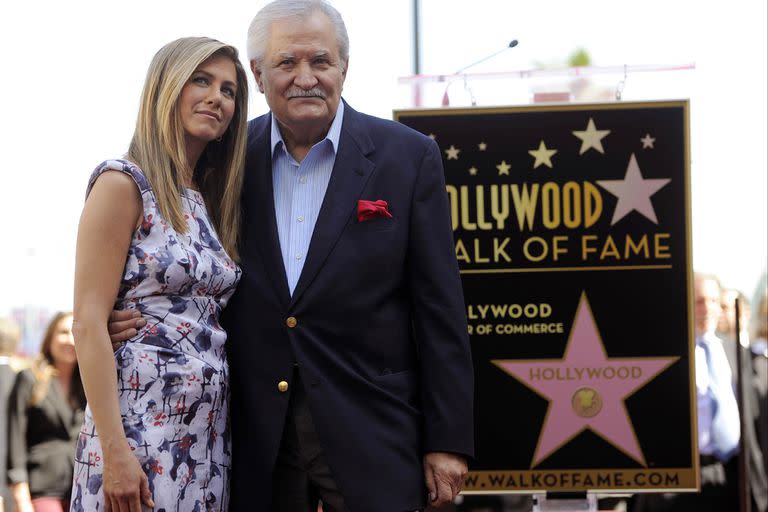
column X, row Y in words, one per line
column 542, row 155
column 591, row 137
column 432, row 136
column 482, row 146
column 452, row 152
column 634, row 192
column 648, row 141
column 503, row 168
column 473, row 171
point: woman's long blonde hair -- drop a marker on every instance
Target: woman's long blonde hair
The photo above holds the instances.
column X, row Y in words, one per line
column 158, row 145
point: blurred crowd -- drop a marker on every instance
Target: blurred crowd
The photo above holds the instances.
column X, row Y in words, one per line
column 43, row 404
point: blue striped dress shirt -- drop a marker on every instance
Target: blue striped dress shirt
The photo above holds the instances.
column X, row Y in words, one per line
column 718, row 413
column 299, row 189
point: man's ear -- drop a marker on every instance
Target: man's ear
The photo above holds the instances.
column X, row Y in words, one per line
column 344, row 73
column 257, row 75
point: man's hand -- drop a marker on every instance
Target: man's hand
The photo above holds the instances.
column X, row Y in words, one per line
column 444, row 474
column 124, row 325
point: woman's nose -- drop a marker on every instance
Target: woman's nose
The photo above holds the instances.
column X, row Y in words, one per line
column 214, row 96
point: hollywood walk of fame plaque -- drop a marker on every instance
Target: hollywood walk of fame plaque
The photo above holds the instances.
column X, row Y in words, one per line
column 572, row 233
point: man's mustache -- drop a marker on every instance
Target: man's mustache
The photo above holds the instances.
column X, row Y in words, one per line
column 314, row 92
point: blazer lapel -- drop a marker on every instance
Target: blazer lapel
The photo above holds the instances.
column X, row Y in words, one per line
column 261, row 222
column 350, row 173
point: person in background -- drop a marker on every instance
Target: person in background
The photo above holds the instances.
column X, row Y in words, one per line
column 718, row 415
column 753, row 390
column 45, row 413
column 759, row 331
column 760, row 292
column 10, row 365
column 726, row 325
column 759, row 350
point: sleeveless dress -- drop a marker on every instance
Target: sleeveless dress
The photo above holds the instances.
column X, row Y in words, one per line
column 172, row 377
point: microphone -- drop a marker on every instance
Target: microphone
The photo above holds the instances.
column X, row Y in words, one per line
column 511, row 44
column 446, row 101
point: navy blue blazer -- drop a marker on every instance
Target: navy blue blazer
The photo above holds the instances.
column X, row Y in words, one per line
column 380, row 336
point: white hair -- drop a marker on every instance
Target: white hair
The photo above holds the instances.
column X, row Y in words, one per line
column 261, row 26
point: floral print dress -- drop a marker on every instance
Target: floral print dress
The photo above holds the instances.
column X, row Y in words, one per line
column 172, row 376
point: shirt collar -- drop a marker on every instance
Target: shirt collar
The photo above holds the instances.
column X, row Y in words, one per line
column 333, row 135
column 708, row 338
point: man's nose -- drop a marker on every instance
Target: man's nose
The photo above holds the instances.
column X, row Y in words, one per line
column 305, row 77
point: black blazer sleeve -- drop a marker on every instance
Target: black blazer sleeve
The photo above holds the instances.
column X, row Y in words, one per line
column 439, row 316
column 41, row 438
column 17, row 427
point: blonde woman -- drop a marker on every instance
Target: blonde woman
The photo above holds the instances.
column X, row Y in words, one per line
column 158, row 234
column 45, row 411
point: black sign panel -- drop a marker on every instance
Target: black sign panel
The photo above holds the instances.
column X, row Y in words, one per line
column 572, row 233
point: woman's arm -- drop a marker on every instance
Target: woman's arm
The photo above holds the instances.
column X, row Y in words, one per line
column 110, row 216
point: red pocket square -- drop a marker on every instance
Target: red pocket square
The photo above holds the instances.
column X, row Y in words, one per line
column 367, row 210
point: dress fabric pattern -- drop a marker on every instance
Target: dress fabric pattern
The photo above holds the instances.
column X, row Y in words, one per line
column 172, row 376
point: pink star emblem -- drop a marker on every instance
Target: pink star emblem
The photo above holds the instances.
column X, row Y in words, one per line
column 586, row 389
column 633, row 192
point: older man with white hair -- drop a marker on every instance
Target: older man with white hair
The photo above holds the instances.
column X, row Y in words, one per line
column 350, row 361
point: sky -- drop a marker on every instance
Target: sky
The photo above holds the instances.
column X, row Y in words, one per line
column 74, row 71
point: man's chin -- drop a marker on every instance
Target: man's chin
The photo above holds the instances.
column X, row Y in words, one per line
column 310, row 116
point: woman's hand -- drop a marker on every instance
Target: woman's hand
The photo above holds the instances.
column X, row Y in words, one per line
column 125, row 484
column 24, row 506
column 21, row 497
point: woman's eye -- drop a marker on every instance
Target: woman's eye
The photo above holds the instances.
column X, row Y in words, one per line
column 229, row 92
column 200, row 80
